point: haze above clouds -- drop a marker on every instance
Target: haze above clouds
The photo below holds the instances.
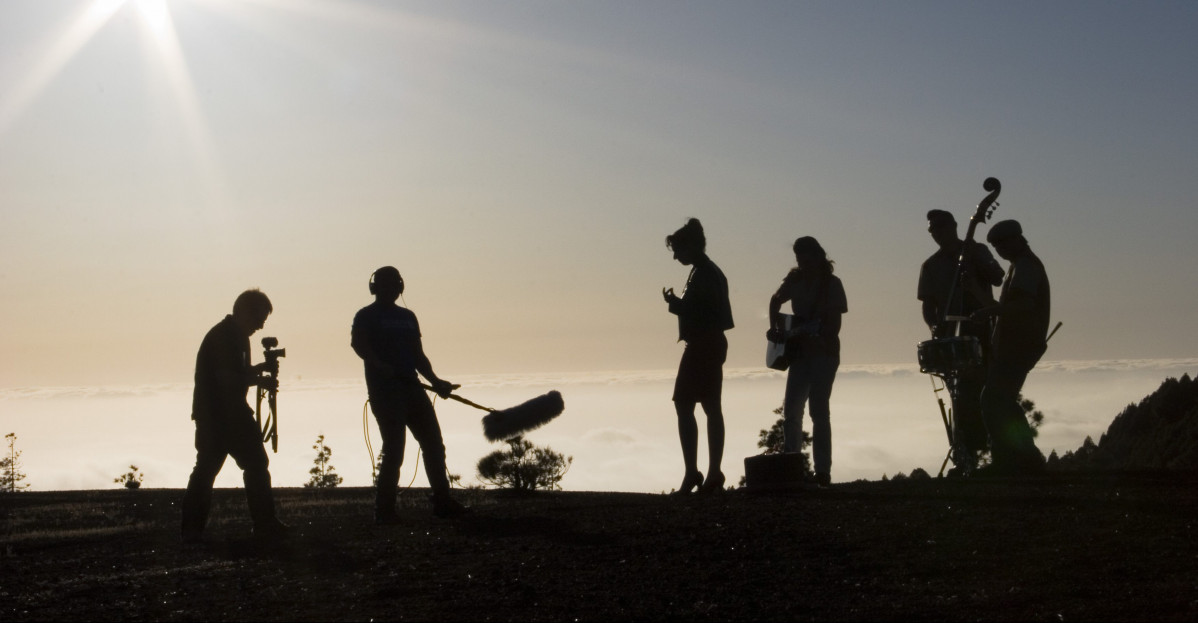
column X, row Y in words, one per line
column 521, row 163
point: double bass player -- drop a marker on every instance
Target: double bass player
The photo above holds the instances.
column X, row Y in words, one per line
column 965, row 271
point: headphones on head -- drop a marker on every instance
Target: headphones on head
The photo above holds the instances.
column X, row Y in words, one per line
column 373, row 283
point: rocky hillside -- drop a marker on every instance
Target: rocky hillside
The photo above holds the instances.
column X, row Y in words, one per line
column 1159, row 433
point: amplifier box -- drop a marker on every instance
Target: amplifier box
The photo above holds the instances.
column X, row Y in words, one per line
column 774, row 471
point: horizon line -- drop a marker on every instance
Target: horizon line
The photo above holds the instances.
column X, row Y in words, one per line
column 609, row 377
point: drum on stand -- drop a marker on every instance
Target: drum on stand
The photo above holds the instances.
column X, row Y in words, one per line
column 947, row 355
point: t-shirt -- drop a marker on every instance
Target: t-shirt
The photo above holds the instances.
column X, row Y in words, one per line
column 802, row 292
column 1020, row 334
column 936, row 279
column 222, row 364
column 393, row 333
column 812, row 298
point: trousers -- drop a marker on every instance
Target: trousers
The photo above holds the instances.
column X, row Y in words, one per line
column 1011, row 437
column 809, row 380
column 215, row 440
column 397, row 410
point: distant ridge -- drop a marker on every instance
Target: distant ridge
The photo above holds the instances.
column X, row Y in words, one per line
column 1159, row 433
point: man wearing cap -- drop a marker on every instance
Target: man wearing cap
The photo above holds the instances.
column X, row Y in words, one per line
column 975, row 278
column 1020, row 339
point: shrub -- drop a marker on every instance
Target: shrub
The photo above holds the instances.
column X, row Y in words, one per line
column 10, row 468
column 131, row 479
column 524, row 467
column 323, row 473
column 773, row 441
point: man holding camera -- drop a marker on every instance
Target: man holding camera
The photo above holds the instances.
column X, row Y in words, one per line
column 225, row 424
column 387, row 338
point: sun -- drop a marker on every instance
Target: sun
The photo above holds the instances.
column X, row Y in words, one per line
column 156, row 17
column 66, row 45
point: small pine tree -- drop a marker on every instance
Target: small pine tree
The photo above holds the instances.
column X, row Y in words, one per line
column 10, row 468
column 131, row 479
column 323, row 474
column 1035, row 417
column 524, row 467
column 773, row 440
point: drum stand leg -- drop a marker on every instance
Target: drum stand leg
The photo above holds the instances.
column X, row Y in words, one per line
column 946, row 414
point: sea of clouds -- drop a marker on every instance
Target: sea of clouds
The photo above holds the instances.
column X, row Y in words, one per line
column 619, row 426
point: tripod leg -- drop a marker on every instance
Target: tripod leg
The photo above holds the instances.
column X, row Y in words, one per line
column 258, row 408
column 274, row 423
column 946, row 415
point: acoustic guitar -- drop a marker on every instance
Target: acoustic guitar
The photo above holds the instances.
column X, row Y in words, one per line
column 779, row 353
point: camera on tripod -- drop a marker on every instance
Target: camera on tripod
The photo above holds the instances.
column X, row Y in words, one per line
column 270, row 429
column 272, row 353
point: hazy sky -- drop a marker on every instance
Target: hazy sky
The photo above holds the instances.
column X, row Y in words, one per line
column 522, row 162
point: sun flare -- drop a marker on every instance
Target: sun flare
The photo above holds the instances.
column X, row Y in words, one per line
column 156, row 16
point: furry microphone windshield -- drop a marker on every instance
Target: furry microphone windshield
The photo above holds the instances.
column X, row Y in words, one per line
column 501, row 424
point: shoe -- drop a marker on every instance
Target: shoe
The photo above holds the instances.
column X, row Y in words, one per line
column 689, row 483
column 823, row 480
column 446, row 507
column 713, row 484
column 272, row 530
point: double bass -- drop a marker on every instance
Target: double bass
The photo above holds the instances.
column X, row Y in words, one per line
column 946, row 356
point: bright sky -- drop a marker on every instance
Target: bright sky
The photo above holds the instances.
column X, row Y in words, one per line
column 522, row 162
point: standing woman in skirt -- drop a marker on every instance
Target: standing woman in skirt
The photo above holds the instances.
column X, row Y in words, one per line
column 704, row 313
column 817, row 300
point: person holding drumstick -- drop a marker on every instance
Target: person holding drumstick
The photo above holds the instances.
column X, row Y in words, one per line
column 976, row 277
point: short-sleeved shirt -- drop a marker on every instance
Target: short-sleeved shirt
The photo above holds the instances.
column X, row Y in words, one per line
column 704, row 309
column 1019, row 334
column 936, row 279
column 804, row 296
column 812, row 298
column 221, row 363
column 393, row 333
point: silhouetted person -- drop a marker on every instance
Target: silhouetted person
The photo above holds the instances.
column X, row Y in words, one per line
column 817, row 301
column 387, row 338
column 225, row 423
column 704, row 313
column 978, row 275
column 1020, row 339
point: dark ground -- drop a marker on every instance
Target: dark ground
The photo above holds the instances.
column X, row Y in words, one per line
column 1064, row 548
